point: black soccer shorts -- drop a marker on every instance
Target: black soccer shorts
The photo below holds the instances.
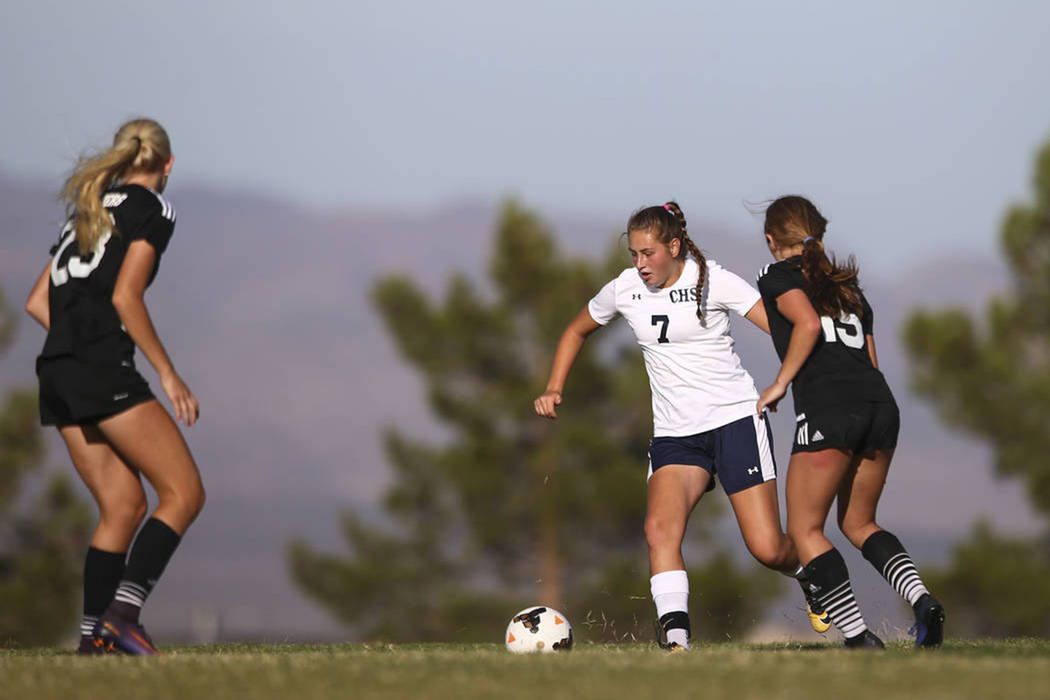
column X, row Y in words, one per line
column 74, row 392
column 860, row 428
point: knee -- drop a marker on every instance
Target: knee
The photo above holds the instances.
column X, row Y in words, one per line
column 194, row 501
column 187, row 500
column 201, row 498
column 125, row 511
column 770, row 553
column 661, row 532
column 857, row 531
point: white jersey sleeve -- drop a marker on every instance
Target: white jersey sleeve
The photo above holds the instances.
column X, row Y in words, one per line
column 730, row 292
column 602, row 307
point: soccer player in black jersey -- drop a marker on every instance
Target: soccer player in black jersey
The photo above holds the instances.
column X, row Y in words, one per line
column 90, row 299
column 847, row 427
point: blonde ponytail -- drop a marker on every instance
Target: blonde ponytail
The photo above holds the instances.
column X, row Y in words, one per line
column 140, row 145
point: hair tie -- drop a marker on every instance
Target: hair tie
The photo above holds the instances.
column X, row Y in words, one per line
column 807, row 239
column 667, row 208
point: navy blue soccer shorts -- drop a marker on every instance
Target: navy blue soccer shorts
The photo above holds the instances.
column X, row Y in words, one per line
column 740, row 454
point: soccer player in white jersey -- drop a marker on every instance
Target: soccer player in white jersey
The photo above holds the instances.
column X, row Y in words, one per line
column 90, row 299
column 704, row 423
column 847, row 420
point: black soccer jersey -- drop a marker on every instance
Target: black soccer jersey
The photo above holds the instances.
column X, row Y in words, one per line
column 84, row 322
column 839, row 368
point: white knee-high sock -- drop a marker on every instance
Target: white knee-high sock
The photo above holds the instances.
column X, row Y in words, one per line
column 671, row 594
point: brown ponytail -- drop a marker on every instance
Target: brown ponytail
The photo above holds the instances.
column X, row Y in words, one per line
column 833, row 289
column 140, row 145
column 666, row 223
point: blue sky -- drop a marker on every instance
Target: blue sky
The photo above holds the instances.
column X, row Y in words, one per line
column 911, row 124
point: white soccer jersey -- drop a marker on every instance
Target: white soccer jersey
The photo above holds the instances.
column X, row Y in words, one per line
column 696, row 378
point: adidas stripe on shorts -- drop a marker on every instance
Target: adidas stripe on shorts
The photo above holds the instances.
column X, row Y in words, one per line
column 859, row 428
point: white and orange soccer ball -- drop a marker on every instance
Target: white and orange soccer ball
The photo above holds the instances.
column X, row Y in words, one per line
column 538, row 629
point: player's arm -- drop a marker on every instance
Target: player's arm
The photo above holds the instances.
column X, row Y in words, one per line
column 757, row 316
column 796, row 307
column 129, row 301
column 37, row 305
column 564, row 356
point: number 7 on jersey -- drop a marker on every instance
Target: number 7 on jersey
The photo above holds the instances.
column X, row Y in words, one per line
column 664, row 320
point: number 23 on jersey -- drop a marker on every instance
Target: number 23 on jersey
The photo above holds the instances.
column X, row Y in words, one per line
column 75, row 265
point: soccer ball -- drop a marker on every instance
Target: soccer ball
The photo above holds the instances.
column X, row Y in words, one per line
column 538, row 629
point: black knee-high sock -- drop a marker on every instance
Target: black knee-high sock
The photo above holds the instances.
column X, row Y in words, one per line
column 153, row 547
column 829, row 581
column 888, row 556
column 102, row 573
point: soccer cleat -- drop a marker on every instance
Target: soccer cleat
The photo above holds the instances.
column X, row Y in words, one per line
column 672, row 647
column 129, row 637
column 864, row 640
column 929, row 622
column 819, row 618
column 93, row 646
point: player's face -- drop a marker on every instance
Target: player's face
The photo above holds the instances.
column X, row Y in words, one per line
column 656, row 262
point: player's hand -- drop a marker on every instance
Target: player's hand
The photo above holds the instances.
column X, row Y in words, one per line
column 545, row 404
column 770, row 398
column 183, row 402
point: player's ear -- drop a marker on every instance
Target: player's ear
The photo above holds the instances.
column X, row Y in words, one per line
column 167, row 166
column 675, row 247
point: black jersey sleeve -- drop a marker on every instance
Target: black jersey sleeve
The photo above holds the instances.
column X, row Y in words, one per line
column 147, row 216
column 777, row 279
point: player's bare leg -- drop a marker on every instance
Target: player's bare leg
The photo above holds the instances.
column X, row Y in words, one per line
column 149, row 440
column 858, row 499
column 672, row 493
column 115, row 487
column 121, row 501
column 812, row 483
column 758, row 515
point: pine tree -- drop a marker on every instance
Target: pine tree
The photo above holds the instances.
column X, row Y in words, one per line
column 991, row 377
column 43, row 526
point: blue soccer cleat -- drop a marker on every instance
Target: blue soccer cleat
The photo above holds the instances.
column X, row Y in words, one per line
column 125, row 636
column 929, row 622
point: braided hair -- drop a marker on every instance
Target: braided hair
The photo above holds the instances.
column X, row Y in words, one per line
column 665, row 223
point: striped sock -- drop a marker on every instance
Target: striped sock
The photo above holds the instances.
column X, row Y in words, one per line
column 153, row 547
column 829, row 582
column 888, row 556
column 87, row 625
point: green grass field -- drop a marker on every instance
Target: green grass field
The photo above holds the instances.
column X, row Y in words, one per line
column 984, row 669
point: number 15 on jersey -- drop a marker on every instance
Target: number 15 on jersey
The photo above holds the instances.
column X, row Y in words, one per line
column 846, row 329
